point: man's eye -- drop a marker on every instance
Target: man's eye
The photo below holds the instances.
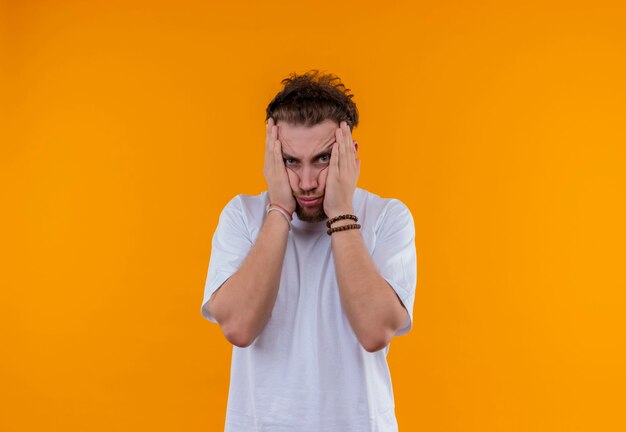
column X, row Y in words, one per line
column 325, row 158
column 289, row 161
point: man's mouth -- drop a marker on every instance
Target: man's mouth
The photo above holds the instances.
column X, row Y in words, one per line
column 310, row 202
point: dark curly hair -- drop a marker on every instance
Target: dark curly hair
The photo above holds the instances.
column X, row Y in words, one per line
column 311, row 98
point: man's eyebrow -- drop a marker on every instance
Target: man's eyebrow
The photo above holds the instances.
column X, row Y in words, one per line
column 317, row 156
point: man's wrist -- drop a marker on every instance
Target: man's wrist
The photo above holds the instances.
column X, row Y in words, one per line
column 342, row 222
column 335, row 213
column 279, row 215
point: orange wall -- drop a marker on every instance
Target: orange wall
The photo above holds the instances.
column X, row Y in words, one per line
column 131, row 123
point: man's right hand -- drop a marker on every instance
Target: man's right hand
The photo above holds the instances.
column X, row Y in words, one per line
column 274, row 170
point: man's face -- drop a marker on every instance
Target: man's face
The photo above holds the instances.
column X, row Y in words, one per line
column 306, row 151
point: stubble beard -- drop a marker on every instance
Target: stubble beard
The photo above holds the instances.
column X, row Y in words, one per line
column 316, row 214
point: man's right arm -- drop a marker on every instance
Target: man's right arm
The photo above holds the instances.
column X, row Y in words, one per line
column 245, row 301
column 243, row 304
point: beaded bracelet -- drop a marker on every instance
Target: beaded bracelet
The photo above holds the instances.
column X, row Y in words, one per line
column 329, row 222
column 343, row 228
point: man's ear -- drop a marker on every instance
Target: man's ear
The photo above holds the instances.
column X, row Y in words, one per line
column 356, row 146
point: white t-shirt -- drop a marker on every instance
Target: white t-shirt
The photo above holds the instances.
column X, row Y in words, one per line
column 307, row 371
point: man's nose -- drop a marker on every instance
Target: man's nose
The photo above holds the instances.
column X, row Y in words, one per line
column 308, row 178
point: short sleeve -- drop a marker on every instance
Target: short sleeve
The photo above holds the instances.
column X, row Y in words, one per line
column 395, row 257
column 230, row 246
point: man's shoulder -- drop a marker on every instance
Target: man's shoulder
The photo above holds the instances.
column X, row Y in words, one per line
column 247, row 201
column 249, row 209
column 369, row 200
column 381, row 212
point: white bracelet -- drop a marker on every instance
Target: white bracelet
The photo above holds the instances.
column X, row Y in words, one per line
column 282, row 212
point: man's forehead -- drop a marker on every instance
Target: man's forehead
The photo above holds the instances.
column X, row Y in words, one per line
column 306, row 139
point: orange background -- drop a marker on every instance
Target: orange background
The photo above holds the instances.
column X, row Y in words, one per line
column 128, row 125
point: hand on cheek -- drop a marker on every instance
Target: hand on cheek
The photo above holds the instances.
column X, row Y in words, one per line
column 343, row 174
column 274, row 171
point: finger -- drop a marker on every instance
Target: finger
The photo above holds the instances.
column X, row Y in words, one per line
column 350, row 150
column 337, row 149
column 268, row 127
column 268, row 150
column 278, row 154
column 342, row 151
column 347, row 137
column 271, row 139
column 268, row 135
column 334, row 156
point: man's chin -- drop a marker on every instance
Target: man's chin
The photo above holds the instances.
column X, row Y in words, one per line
column 311, row 214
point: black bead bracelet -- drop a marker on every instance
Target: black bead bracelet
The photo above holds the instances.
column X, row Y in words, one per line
column 329, row 222
column 343, row 228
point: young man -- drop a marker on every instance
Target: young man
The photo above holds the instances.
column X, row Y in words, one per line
column 311, row 279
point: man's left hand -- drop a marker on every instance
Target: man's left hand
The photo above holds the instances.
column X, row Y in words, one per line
column 343, row 174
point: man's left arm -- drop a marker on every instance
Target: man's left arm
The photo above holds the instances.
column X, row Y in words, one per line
column 372, row 306
column 373, row 309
